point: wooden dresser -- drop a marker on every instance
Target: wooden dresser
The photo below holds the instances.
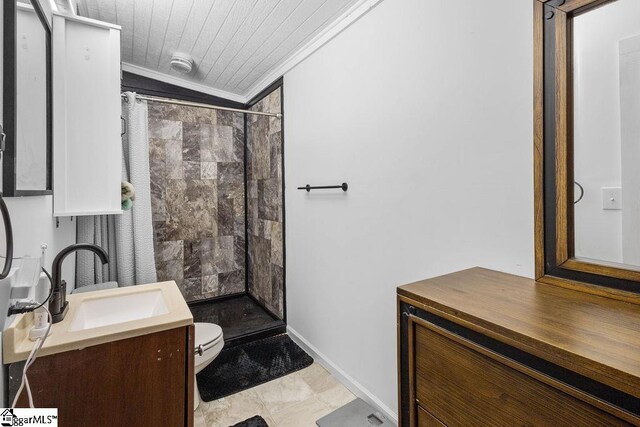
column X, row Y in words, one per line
column 483, row 348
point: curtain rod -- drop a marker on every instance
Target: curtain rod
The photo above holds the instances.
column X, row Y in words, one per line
column 196, row 104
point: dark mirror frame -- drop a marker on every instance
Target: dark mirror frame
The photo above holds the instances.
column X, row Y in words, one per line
column 553, row 160
column 10, row 117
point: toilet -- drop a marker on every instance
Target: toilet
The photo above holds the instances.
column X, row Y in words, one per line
column 209, row 342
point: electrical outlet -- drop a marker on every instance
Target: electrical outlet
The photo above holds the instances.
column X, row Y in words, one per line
column 611, row 198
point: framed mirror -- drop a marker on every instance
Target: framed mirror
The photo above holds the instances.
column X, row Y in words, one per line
column 587, row 144
column 26, row 103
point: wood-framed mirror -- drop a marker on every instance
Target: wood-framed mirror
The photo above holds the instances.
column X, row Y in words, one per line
column 587, row 144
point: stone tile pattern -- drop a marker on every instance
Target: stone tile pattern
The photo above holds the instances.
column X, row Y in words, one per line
column 295, row 400
column 265, row 205
column 198, row 198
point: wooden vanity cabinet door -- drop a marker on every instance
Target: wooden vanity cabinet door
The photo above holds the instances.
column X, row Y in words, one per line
column 136, row 382
column 462, row 387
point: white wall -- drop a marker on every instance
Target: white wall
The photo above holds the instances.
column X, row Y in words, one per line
column 425, row 109
column 597, row 147
column 33, row 224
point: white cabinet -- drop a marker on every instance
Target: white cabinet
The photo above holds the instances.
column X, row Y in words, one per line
column 87, row 147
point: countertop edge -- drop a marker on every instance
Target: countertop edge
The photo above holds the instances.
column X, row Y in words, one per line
column 17, row 346
column 91, row 342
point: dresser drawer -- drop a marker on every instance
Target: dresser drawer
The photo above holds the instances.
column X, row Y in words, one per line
column 462, row 386
column 425, row 419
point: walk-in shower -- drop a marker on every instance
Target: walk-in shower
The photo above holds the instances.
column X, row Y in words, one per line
column 218, row 211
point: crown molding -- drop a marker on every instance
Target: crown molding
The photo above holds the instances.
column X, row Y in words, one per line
column 156, row 75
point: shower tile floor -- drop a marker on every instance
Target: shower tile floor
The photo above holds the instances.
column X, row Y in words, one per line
column 240, row 318
column 295, row 400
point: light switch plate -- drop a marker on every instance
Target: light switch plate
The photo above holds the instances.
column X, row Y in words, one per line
column 612, row 198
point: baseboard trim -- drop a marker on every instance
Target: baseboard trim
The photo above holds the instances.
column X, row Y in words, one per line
column 354, row 386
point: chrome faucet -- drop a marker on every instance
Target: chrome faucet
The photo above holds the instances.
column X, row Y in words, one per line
column 58, row 305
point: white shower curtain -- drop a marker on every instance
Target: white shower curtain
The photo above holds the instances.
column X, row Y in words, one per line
column 128, row 238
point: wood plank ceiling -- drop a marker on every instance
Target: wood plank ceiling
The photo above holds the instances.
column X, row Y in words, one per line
column 234, row 43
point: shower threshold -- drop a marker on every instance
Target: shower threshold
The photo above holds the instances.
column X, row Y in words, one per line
column 242, row 318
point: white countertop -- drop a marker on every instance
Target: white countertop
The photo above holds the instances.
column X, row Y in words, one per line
column 17, row 346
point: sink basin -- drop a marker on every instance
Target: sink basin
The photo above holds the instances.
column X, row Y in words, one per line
column 110, row 310
column 100, row 317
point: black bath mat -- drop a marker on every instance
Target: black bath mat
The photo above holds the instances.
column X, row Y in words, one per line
column 248, row 365
column 256, row 421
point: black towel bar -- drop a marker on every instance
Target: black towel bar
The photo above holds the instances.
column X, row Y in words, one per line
column 307, row 187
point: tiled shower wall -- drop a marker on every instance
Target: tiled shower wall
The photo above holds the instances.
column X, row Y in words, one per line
column 198, row 199
column 265, row 204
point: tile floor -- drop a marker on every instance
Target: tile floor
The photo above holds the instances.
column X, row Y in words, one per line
column 296, row 400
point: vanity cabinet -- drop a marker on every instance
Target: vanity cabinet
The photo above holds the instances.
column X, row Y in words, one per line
column 136, row 382
column 87, row 147
column 484, row 348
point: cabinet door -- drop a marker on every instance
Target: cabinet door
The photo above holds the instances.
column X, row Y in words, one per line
column 87, row 147
column 136, row 382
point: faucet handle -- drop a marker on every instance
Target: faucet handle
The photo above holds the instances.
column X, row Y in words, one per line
column 58, row 304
